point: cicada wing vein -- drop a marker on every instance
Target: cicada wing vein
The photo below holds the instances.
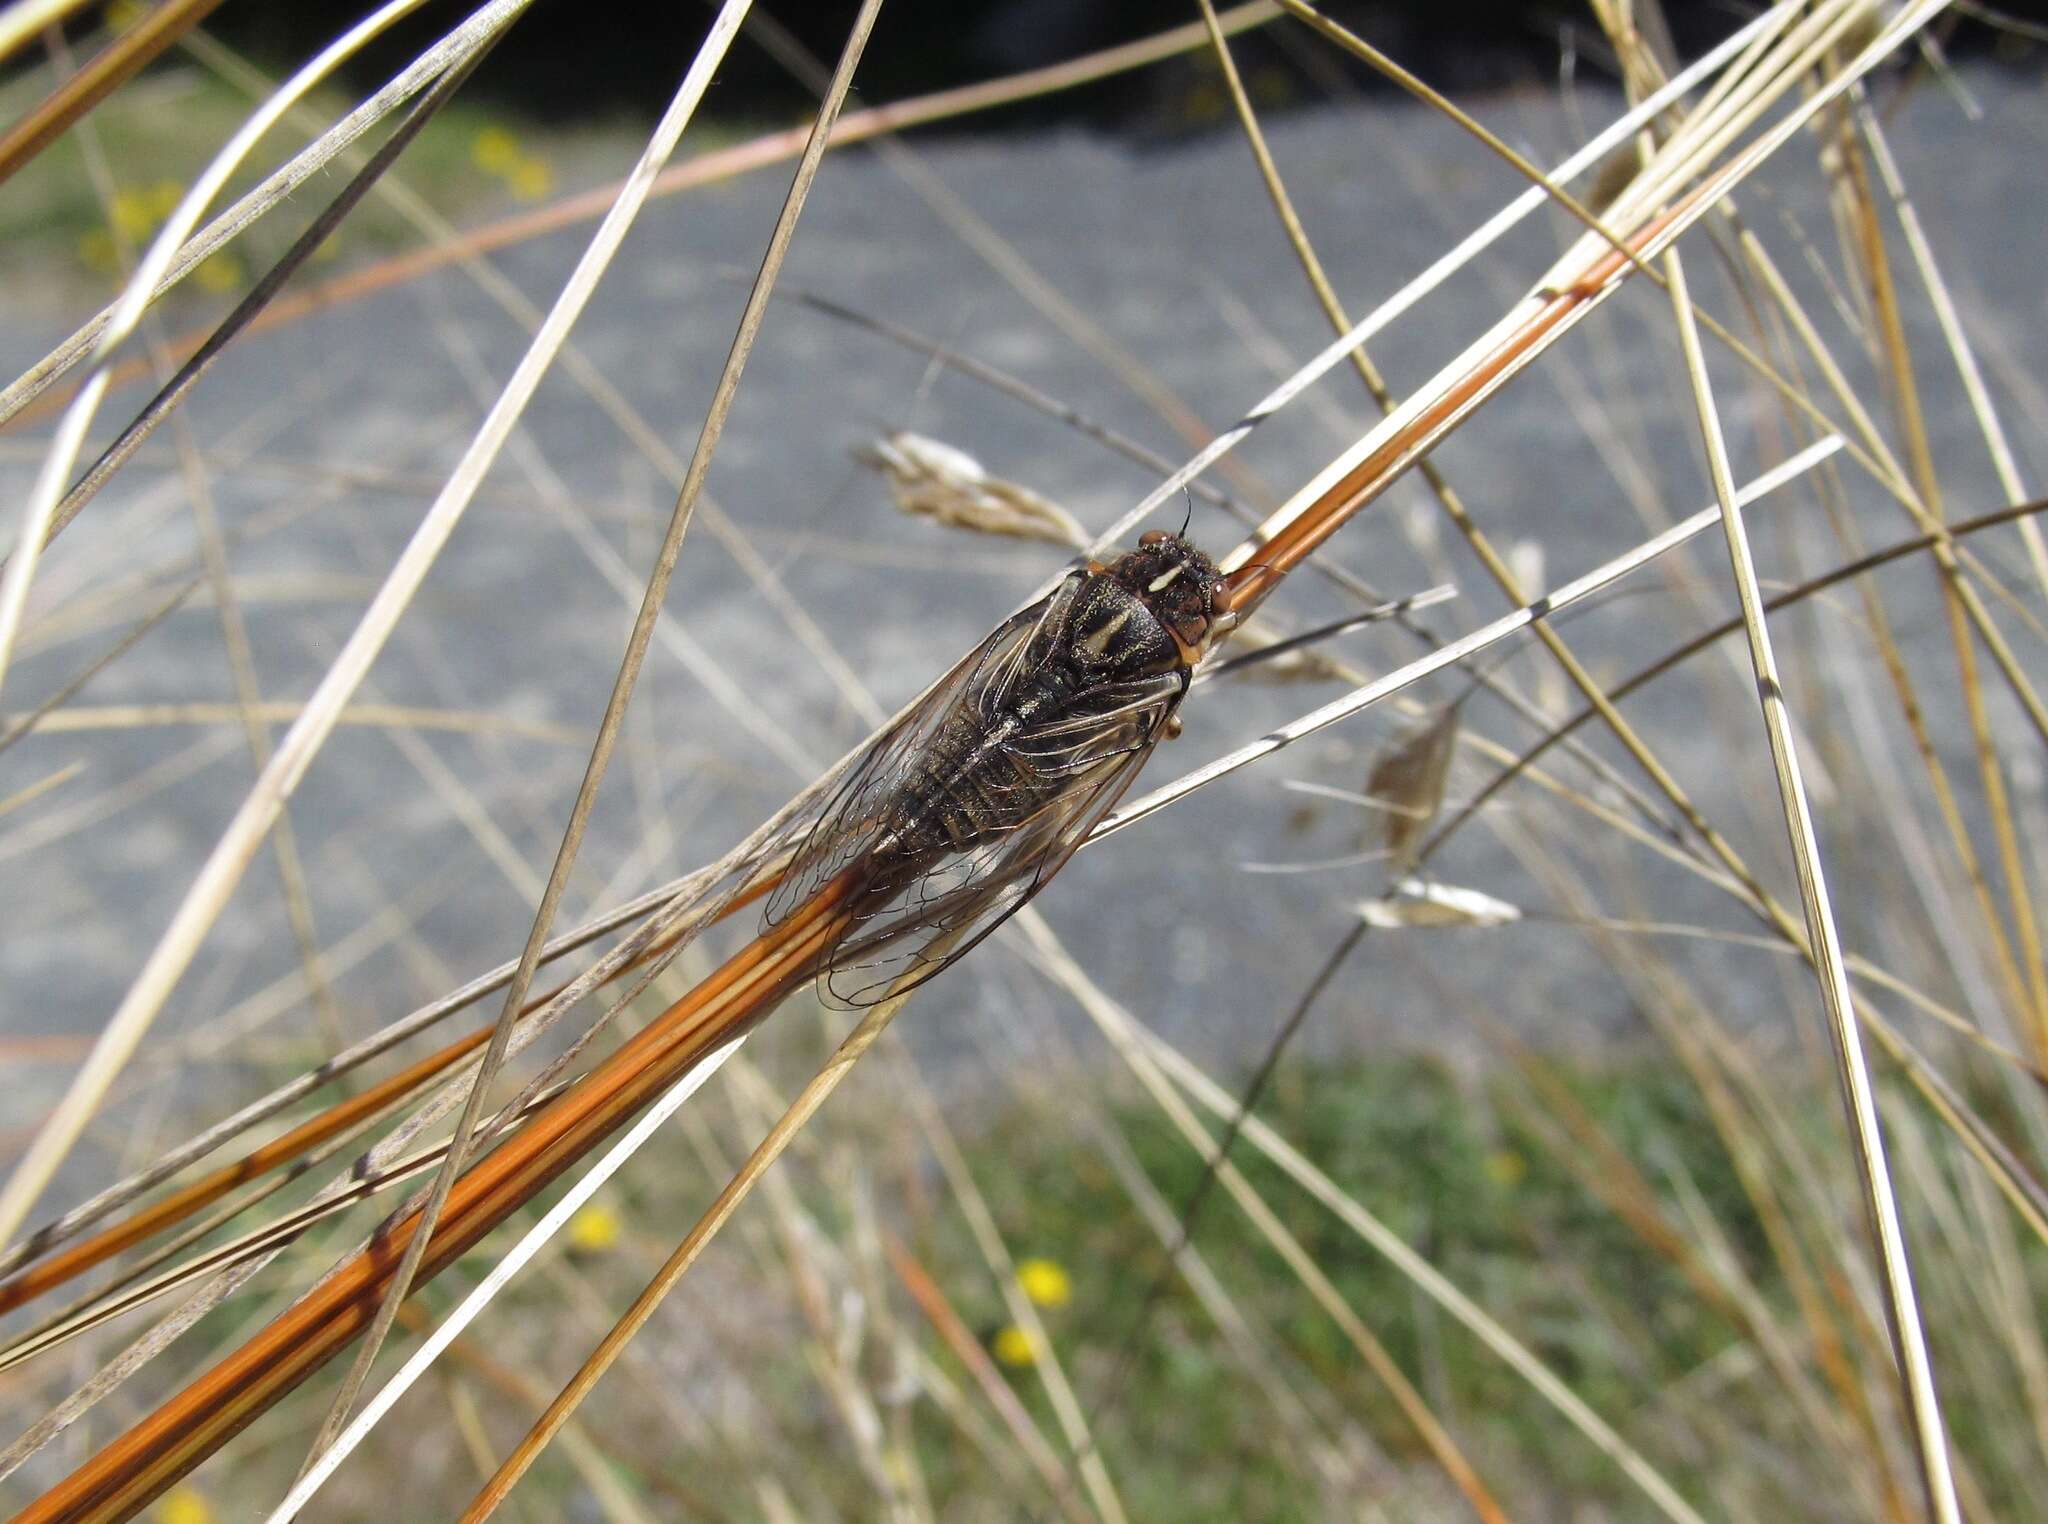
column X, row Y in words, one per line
column 963, row 896
column 851, row 820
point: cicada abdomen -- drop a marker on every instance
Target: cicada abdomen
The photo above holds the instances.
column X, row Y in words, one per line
column 976, row 796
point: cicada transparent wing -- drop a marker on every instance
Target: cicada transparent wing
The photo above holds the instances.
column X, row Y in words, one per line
column 945, row 856
column 969, row 893
column 851, row 821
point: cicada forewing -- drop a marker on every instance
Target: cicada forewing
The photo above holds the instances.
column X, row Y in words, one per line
column 913, row 909
column 854, row 818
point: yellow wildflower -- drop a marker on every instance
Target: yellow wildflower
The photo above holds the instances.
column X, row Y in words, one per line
column 1013, row 1347
column 133, row 213
column 531, row 178
column 1046, row 1282
column 495, row 151
column 1505, row 1167
column 184, row 1505
column 220, row 273
column 96, row 249
column 594, row 1229
column 139, row 210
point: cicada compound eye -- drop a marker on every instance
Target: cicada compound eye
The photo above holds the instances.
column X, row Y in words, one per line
column 1218, row 617
column 1155, row 537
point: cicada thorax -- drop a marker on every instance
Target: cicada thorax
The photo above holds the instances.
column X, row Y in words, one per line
column 1111, row 637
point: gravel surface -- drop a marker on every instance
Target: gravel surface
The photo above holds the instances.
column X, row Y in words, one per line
column 323, row 443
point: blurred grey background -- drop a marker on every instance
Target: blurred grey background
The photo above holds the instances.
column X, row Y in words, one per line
column 425, row 845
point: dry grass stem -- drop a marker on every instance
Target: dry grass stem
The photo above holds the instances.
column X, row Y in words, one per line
column 106, row 73
column 295, row 752
column 510, row 1264
column 1824, row 940
column 668, row 132
column 1635, row 1278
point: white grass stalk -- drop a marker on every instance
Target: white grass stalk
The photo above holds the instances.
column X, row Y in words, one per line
column 238, row 845
column 502, row 1272
column 23, row 20
column 62, row 454
column 1916, row 1371
column 1458, row 650
column 1440, row 270
column 459, row 44
column 1945, row 313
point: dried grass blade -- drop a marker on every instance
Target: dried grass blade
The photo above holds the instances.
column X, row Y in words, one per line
column 252, row 1249
column 1409, row 780
column 710, row 53
column 708, row 168
column 514, row 1260
column 1945, row 313
column 856, row 1043
column 1916, row 1371
column 459, row 43
column 931, row 1300
column 351, row 1058
column 1701, row 642
column 42, row 786
column 1439, row 270
column 1456, row 651
column 173, row 390
column 23, row 19
column 1156, row 1061
column 106, row 73
column 177, row 1435
column 174, row 1208
column 62, row 452
column 44, row 715
column 1584, row 278
column 295, row 753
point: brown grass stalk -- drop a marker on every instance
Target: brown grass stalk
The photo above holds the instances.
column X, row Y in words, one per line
column 1251, row 584
column 283, row 1151
column 109, row 69
column 123, row 1476
column 708, row 168
column 932, row 1301
column 181, row 1204
column 850, row 1051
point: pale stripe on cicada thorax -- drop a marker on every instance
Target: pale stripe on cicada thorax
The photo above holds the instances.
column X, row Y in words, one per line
column 977, row 795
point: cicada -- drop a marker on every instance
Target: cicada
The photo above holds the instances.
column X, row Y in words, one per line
column 973, row 798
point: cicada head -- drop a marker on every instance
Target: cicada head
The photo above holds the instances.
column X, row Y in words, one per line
column 1180, row 585
column 1148, row 612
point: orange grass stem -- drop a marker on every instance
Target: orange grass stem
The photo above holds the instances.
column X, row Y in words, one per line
column 931, row 1301
column 335, row 1120
column 176, row 1207
column 109, row 69
column 124, row 1476
column 1250, row 585
column 705, row 169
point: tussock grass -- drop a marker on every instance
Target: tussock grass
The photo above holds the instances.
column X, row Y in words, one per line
column 1677, row 1276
